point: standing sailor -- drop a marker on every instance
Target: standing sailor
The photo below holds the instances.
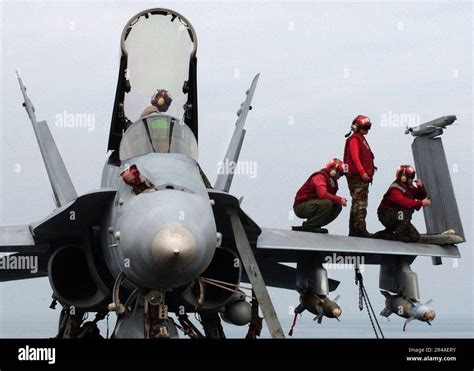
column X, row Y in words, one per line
column 360, row 171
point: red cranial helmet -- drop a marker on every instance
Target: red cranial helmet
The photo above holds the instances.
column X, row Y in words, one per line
column 361, row 122
column 335, row 167
column 405, row 172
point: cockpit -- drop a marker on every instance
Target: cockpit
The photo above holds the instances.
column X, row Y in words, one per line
column 158, row 133
column 157, row 75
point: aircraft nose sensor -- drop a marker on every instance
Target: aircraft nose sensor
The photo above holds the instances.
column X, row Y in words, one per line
column 174, row 247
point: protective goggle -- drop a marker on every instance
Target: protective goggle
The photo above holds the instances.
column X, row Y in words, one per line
column 365, row 126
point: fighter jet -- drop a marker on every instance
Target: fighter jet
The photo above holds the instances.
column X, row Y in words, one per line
column 156, row 242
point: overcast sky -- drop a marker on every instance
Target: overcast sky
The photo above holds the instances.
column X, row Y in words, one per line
column 321, row 64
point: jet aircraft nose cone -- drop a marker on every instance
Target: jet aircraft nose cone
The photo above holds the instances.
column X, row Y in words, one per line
column 336, row 312
column 174, row 248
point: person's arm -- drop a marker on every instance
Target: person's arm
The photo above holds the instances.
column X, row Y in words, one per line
column 420, row 192
column 354, row 149
column 398, row 198
column 319, row 182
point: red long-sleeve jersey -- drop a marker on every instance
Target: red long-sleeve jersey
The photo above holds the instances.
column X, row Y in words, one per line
column 354, row 149
column 320, row 183
column 319, row 186
column 400, row 195
column 358, row 156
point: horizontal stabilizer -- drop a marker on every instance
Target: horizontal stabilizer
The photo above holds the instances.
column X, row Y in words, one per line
column 285, row 245
column 61, row 183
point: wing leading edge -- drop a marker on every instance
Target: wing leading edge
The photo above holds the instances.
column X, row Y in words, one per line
column 285, row 245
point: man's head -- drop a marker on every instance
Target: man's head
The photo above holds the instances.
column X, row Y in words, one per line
column 129, row 173
column 336, row 168
column 406, row 174
column 161, row 100
column 361, row 124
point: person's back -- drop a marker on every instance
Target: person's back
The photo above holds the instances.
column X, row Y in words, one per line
column 317, row 199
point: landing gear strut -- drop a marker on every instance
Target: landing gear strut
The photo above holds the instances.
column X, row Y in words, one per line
column 72, row 325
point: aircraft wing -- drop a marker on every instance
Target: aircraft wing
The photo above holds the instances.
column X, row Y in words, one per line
column 66, row 221
column 286, row 245
column 39, row 240
column 16, row 238
column 19, row 239
column 38, row 266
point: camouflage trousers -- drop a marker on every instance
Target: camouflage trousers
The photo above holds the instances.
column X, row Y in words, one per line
column 317, row 212
column 397, row 220
column 359, row 190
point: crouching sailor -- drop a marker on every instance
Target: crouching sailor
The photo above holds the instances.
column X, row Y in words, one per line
column 404, row 196
column 317, row 201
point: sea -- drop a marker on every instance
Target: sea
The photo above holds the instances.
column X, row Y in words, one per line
column 306, row 328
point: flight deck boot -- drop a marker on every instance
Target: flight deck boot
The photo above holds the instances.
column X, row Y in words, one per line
column 358, row 229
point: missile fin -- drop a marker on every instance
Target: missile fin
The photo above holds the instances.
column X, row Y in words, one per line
column 407, row 322
column 385, row 293
column 386, row 312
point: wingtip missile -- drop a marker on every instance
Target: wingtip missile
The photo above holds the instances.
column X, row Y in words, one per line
column 432, row 128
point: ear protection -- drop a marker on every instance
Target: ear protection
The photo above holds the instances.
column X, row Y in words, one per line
column 334, row 167
column 405, row 172
column 403, row 177
column 161, row 99
column 359, row 122
column 354, row 126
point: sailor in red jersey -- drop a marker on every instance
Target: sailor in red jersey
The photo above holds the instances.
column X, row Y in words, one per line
column 317, row 200
column 137, row 181
column 403, row 197
column 360, row 171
